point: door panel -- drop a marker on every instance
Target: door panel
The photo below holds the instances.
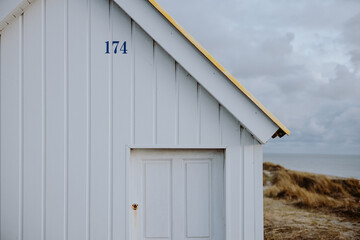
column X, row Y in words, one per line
column 180, row 194
column 197, row 193
column 157, row 199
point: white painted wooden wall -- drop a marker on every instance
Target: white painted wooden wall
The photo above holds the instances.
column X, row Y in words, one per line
column 69, row 113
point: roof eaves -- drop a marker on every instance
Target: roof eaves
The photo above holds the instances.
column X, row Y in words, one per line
column 16, row 12
column 282, row 129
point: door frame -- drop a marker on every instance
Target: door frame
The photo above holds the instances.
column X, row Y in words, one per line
column 129, row 148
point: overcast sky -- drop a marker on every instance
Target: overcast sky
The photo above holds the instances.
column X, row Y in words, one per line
column 300, row 58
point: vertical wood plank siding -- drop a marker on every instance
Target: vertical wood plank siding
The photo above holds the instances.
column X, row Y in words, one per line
column 34, row 125
column 78, row 126
column 55, row 120
column 11, row 146
column 69, row 111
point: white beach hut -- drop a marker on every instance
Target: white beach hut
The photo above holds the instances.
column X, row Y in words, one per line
column 117, row 124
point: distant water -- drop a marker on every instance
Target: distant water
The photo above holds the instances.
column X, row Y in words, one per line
column 333, row 165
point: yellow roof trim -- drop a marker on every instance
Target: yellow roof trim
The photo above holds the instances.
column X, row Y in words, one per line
column 221, row 68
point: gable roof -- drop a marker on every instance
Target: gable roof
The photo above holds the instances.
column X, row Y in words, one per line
column 160, row 26
column 282, row 129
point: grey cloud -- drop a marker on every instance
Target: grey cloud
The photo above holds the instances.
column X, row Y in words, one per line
column 268, row 57
column 355, row 59
column 345, row 85
column 351, row 30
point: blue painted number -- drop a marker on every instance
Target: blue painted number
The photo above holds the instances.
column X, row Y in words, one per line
column 122, row 48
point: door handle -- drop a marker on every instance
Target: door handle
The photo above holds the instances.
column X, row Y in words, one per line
column 134, row 206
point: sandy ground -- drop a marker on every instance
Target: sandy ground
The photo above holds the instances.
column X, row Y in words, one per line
column 282, row 220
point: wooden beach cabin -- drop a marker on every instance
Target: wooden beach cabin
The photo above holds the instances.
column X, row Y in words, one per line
column 117, row 124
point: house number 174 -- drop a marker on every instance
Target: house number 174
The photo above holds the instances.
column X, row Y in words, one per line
column 115, row 45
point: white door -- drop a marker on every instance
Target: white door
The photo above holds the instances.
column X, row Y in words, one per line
column 177, row 195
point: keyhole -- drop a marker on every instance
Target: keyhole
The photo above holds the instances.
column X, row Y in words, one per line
column 134, row 206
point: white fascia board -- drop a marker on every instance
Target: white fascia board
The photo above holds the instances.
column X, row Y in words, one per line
column 194, row 62
column 11, row 9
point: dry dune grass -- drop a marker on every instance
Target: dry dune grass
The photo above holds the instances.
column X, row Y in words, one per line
column 300, row 205
column 313, row 190
column 284, row 221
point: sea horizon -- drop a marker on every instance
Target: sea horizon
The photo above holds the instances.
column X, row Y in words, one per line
column 337, row 165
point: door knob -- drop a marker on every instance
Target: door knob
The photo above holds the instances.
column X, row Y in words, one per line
column 134, row 206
